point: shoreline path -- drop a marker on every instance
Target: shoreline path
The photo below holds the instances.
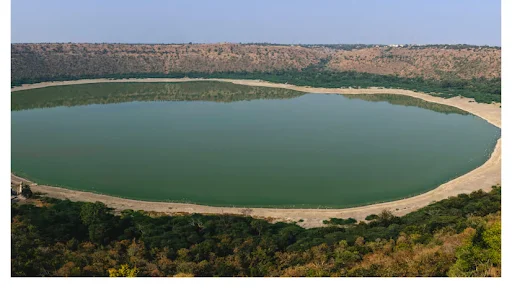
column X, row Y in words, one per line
column 483, row 177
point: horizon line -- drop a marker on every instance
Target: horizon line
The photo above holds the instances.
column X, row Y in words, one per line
column 265, row 43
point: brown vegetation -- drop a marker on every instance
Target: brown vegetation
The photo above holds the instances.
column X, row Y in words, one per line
column 33, row 61
column 428, row 63
column 47, row 60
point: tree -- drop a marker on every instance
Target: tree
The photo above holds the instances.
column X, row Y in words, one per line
column 52, row 240
column 124, row 271
column 26, row 191
column 478, row 258
column 91, row 213
column 492, row 239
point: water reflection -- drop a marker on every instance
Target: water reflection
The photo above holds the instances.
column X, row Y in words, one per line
column 108, row 93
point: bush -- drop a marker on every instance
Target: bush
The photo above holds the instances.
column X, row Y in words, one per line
column 371, row 217
column 26, row 191
column 340, row 221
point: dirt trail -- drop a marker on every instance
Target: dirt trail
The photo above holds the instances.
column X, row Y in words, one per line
column 483, row 177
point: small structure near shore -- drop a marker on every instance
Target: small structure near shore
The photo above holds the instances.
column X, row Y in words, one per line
column 20, row 189
column 17, row 190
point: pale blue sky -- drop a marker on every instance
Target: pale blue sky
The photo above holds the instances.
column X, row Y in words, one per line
column 321, row 21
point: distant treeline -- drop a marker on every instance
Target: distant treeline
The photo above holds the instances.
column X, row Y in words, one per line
column 482, row 90
column 333, row 46
column 460, row 236
column 346, row 47
column 349, row 47
column 451, row 46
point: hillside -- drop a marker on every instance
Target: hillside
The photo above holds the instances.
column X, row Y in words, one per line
column 428, row 63
column 444, row 71
column 459, row 236
column 50, row 60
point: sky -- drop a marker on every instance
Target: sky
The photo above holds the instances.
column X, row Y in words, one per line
column 476, row 22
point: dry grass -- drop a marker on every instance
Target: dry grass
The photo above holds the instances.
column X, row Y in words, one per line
column 430, row 63
column 51, row 60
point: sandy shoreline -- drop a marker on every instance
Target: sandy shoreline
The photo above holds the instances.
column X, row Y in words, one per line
column 483, row 177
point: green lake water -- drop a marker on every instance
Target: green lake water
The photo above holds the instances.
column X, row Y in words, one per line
column 228, row 145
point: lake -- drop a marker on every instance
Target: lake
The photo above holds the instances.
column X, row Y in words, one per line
column 223, row 144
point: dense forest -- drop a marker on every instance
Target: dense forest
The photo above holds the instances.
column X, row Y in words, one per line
column 459, row 236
